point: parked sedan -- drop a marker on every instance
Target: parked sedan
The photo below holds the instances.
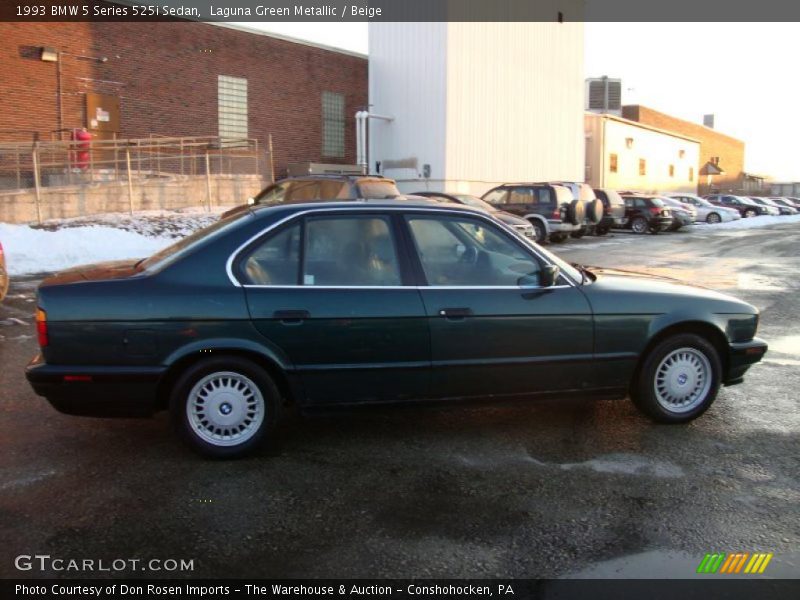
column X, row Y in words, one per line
column 773, row 209
column 3, row 274
column 707, row 212
column 683, row 215
column 518, row 223
column 325, row 305
column 787, row 207
column 646, row 213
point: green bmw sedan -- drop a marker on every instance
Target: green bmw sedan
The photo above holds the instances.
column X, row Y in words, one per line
column 315, row 306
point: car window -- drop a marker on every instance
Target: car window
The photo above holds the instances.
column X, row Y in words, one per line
column 613, row 197
column 467, row 252
column 377, row 190
column 350, row 251
column 522, row 196
column 628, row 202
column 497, row 196
column 274, row 194
column 275, row 261
column 640, row 203
column 301, row 190
column 656, row 202
column 333, row 190
column 544, row 195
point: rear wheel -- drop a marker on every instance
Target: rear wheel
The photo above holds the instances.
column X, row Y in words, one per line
column 223, row 407
column 713, row 218
column 679, row 379
column 639, row 225
column 601, row 230
column 749, row 213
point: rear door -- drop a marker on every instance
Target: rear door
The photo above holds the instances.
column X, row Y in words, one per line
column 331, row 292
column 494, row 330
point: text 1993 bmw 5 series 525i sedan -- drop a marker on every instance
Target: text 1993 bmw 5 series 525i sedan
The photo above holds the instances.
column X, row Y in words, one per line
column 343, row 303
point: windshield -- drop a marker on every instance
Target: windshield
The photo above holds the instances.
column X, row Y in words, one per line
column 475, row 202
column 170, row 254
column 747, row 201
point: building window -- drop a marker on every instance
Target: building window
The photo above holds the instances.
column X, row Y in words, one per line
column 333, row 125
column 612, row 163
column 642, row 167
column 629, row 143
column 672, row 170
column 681, row 153
column 691, row 173
column 232, row 106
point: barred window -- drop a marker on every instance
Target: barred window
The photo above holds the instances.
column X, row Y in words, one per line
column 232, row 103
column 333, row 125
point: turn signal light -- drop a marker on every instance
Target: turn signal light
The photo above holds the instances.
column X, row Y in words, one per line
column 41, row 327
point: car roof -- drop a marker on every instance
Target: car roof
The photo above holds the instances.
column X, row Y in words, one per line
column 335, row 177
column 410, row 202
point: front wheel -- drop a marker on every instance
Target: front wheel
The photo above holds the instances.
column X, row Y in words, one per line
column 749, row 214
column 223, row 407
column 679, row 379
column 539, row 232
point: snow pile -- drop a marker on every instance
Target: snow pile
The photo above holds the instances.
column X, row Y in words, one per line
column 65, row 243
column 751, row 223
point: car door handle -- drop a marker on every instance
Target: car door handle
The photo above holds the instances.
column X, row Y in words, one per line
column 455, row 313
column 291, row 316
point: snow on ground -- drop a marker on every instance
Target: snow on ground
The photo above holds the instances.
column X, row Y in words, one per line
column 64, row 243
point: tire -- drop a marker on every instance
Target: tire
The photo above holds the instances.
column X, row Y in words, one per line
column 639, row 225
column 576, row 211
column 679, row 379
column 227, row 383
column 713, row 218
column 594, row 211
column 539, row 231
column 557, row 238
column 749, row 213
column 579, row 233
column 601, row 230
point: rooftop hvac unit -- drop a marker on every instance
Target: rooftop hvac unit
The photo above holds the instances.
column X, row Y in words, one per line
column 604, row 95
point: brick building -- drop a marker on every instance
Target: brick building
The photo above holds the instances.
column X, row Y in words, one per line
column 724, row 151
column 182, row 79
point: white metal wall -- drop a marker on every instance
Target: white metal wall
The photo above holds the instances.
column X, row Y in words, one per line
column 481, row 103
column 407, row 78
column 632, row 142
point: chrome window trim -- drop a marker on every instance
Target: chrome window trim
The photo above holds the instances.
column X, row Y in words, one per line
column 406, row 209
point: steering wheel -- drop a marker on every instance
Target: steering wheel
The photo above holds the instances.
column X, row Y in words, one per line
column 470, row 256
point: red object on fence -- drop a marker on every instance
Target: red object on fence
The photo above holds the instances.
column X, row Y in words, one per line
column 81, row 148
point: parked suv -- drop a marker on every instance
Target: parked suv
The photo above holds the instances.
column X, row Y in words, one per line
column 517, row 223
column 613, row 211
column 323, row 187
column 551, row 209
column 592, row 207
column 646, row 213
column 746, row 207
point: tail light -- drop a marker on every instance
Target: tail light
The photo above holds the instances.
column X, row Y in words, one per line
column 556, row 213
column 655, row 210
column 41, row 327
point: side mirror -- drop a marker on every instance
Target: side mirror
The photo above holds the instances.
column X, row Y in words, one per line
column 549, row 275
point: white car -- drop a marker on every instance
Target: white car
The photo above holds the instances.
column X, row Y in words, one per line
column 707, row 212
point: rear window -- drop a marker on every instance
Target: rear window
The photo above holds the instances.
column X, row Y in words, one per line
column 613, row 198
column 377, row 190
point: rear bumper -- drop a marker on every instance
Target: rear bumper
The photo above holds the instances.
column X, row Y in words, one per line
column 562, row 227
column 612, row 221
column 660, row 223
column 741, row 355
column 96, row 391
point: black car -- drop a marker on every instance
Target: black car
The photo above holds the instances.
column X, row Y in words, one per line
column 746, row 207
column 552, row 209
column 518, row 223
column 310, row 188
column 646, row 213
column 613, row 211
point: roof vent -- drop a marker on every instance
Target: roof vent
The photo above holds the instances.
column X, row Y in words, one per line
column 604, row 95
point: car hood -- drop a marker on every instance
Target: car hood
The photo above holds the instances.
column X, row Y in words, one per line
column 116, row 269
column 616, row 280
column 509, row 219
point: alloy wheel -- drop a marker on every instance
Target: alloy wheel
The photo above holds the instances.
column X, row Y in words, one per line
column 682, row 380
column 713, row 218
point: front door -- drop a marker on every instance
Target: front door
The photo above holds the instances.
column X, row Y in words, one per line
column 494, row 329
column 329, row 292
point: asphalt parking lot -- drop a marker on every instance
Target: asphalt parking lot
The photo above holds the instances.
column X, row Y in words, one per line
column 543, row 489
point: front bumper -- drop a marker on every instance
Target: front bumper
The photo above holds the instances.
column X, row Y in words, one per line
column 96, row 391
column 741, row 356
